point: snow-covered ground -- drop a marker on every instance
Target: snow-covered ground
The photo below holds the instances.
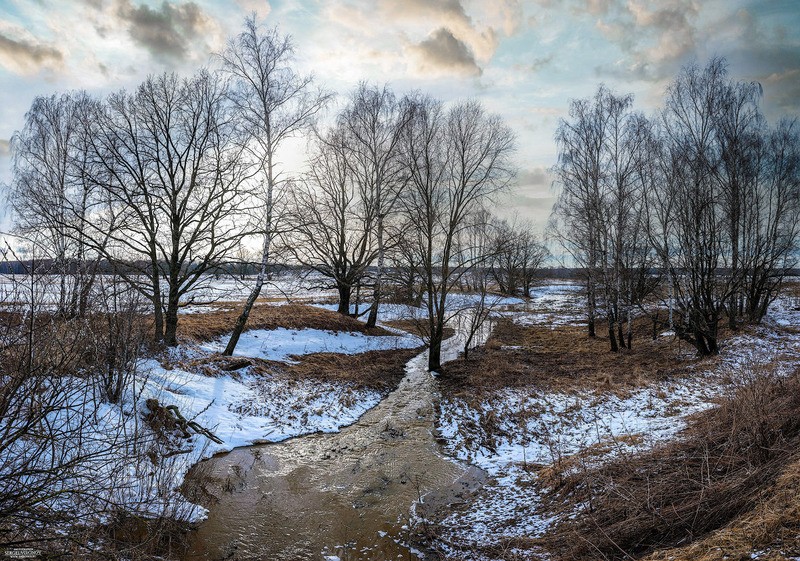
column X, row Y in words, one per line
column 239, row 408
column 552, row 304
column 243, row 409
column 279, row 344
column 530, row 430
column 246, row 409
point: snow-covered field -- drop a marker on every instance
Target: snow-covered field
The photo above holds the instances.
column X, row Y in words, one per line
column 531, row 430
column 45, row 290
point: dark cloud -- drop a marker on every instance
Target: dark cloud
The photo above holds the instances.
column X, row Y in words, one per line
column 442, row 52
column 761, row 52
column 168, row 31
column 782, row 90
column 25, row 56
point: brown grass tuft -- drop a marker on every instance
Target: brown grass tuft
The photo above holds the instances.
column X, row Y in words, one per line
column 379, row 370
column 208, row 326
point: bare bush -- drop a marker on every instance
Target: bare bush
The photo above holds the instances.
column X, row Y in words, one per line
column 72, row 447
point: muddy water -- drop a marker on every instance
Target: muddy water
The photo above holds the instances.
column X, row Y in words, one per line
column 346, row 494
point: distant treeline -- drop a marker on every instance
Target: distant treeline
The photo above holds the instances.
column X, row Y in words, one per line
column 47, row 266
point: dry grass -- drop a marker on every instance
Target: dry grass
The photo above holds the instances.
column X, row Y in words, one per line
column 772, row 527
column 208, row 326
column 731, row 468
column 565, row 359
column 378, row 370
column 791, row 288
column 417, row 327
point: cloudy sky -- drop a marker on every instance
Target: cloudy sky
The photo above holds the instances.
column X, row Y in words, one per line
column 524, row 59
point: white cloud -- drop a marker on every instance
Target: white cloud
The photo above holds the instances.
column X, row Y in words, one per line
column 22, row 53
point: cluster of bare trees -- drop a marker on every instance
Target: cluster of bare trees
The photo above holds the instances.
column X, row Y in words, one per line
column 704, row 195
column 410, row 168
column 515, row 256
column 154, row 183
column 162, row 185
column 130, row 203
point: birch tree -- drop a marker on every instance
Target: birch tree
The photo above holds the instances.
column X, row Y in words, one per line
column 373, row 121
column 273, row 103
column 52, row 192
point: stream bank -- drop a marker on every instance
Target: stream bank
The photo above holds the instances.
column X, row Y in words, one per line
column 345, row 495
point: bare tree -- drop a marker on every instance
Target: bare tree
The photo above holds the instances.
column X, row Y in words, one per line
column 52, row 194
column 176, row 179
column 457, row 159
column 404, row 263
column 332, row 218
column 374, row 120
column 576, row 216
column 771, row 221
column 601, row 205
column 516, row 256
column 694, row 241
column 273, row 104
column 738, row 137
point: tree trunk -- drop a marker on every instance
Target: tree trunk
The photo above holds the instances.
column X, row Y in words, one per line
column 435, row 349
column 241, row 321
column 344, row 298
column 263, row 271
column 376, row 297
column 612, row 338
column 590, row 298
column 171, row 319
column 700, row 344
column 158, row 315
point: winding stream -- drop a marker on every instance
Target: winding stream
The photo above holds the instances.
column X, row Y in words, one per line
column 345, row 495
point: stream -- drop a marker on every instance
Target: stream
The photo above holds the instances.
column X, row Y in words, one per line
column 346, row 495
